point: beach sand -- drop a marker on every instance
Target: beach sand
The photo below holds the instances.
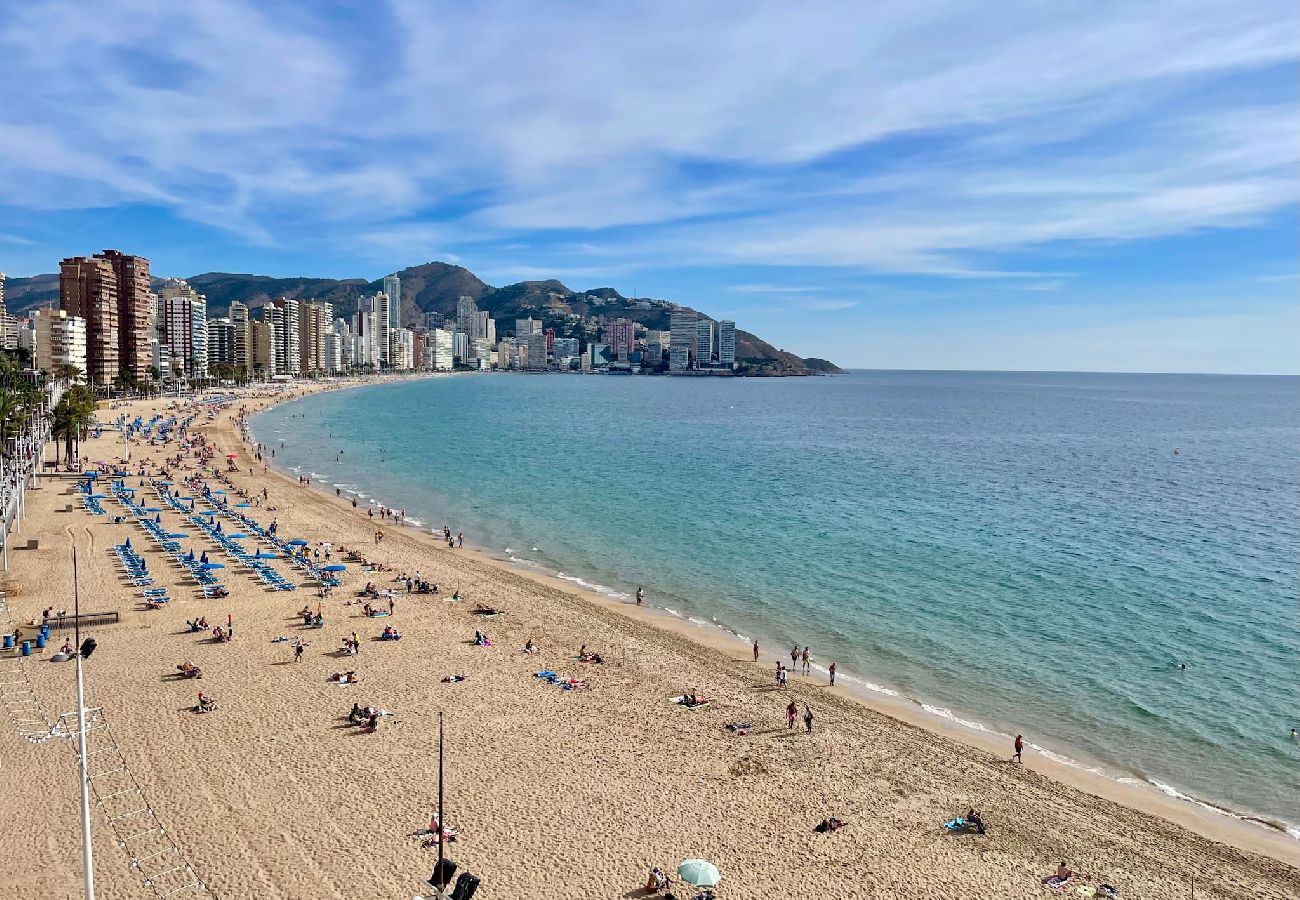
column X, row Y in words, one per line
column 555, row 793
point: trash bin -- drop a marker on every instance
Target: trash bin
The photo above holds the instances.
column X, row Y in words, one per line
column 40, row 641
column 8, row 642
column 27, row 648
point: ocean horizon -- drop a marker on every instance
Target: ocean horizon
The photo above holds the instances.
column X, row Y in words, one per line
column 1026, row 552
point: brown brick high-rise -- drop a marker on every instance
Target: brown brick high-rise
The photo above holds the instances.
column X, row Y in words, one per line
column 88, row 288
column 135, row 312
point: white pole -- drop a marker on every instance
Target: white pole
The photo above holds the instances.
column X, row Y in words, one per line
column 87, row 860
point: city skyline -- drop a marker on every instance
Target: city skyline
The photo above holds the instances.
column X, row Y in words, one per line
column 849, row 184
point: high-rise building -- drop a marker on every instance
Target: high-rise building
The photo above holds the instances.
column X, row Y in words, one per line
column 620, row 334
column 460, row 347
column 88, row 290
column 135, row 311
column 283, row 316
column 727, row 344
column 183, row 317
column 443, row 356
column 507, row 354
column 467, row 320
column 565, row 348
column 333, row 352
column 681, row 340
column 262, row 344
column 600, row 355
column 535, row 350
column 525, row 327
column 241, row 337
column 403, row 349
column 703, row 343
column 8, row 323
column 393, row 290
column 221, row 343
column 313, row 325
column 60, row 339
column 384, row 327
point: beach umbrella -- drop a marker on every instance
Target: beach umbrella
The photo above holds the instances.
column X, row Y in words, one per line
column 699, row 872
column 232, row 456
column 128, row 541
column 334, row 568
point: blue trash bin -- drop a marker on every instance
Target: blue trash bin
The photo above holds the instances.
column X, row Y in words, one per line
column 40, row 641
column 8, row 642
column 27, row 648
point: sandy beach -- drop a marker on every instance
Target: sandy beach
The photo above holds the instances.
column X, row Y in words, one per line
column 554, row 792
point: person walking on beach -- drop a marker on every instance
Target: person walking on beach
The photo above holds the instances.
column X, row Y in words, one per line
column 783, row 674
column 755, row 651
column 778, row 673
column 391, row 606
column 791, row 713
column 1020, row 747
column 806, row 663
column 807, row 718
column 298, row 649
column 460, row 539
column 832, row 671
column 794, row 657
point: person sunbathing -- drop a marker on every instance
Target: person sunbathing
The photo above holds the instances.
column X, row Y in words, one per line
column 305, row 612
column 656, row 882
column 345, row 678
column 830, row 824
column 390, row 634
column 452, row 679
column 206, row 703
column 530, row 647
column 481, row 610
column 975, row 820
column 189, row 670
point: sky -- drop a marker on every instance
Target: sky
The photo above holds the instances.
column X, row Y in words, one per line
column 951, row 184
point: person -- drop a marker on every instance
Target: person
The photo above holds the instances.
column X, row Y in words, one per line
column 640, row 595
column 657, row 881
column 755, row 651
column 806, row 663
column 807, row 718
column 782, row 674
column 830, row 823
column 794, row 657
column 1293, row 731
column 975, row 820
column 205, row 703
column 391, row 606
column 298, row 649
column 1020, row 747
column 791, row 713
column 530, row 647
column 832, row 671
column 1061, row 877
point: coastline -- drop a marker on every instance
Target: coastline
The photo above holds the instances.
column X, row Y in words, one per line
column 1279, row 841
column 554, row 791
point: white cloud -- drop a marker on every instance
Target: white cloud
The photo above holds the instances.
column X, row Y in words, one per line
column 728, row 132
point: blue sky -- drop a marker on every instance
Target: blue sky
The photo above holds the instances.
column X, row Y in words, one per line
column 1064, row 185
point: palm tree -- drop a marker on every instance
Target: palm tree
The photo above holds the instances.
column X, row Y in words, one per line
column 12, row 417
column 67, row 372
column 73, row 416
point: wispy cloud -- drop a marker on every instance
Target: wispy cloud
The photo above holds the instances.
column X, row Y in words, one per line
column 608, row 137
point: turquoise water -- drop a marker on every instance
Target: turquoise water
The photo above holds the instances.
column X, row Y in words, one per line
column 1024, row 552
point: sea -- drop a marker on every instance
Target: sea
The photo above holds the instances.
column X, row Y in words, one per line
column 1036, row 553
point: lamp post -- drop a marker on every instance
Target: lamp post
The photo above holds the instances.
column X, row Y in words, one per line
column 83, row 652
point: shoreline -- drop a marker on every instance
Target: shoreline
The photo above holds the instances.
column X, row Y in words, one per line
column 1280, row 841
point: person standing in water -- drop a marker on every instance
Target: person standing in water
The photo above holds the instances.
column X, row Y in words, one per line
column 832, row 671
column 640, row 595
column 806, row 663
column 756, row 653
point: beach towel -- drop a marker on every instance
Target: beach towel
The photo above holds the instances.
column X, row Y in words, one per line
column 956, row 824
column 739, row 727
column 546, row 675
column 1057, row 883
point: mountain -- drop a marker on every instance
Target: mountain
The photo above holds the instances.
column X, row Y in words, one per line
column 434, row 288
